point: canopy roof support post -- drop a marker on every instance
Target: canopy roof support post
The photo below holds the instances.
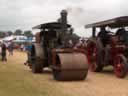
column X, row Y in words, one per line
column 94, row 32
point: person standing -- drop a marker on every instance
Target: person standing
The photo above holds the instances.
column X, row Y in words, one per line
column 22, row 47
column 3, row 53
column 10, row 48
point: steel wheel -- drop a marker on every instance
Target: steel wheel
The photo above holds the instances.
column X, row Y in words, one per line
column 93, row 63
column 36, row 66
column 120, row 66
column 94, row 57
column 37, row 63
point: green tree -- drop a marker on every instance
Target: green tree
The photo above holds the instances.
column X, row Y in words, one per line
column 28, row 33
column 18, row 32
column 2, row 34
column 10, row 33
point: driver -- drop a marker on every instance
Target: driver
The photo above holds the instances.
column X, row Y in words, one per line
column 104, row 36
column 122, row 35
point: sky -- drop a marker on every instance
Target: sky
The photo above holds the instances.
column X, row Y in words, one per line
column 24, row 14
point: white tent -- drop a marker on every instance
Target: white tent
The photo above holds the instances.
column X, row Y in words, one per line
column 18, row 39
column 9, row 38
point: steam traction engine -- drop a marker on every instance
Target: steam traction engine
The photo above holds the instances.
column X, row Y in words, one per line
column 51, row 50
column 109, row 48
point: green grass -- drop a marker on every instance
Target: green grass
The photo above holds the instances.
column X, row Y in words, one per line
column 17, row 80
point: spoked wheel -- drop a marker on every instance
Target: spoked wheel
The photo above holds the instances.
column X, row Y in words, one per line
column 92, row 59
column 94, row 55
column 120, row 66
column 37, row 63
column 36, row 66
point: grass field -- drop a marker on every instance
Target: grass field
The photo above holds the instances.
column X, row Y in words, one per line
column 17, row 80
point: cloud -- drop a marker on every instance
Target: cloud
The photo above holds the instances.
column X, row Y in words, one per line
column 25, row 14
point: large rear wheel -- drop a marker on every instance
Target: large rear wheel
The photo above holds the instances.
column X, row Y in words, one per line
column 37, row 58
column 36, row 66
column 94, row 54
column 120, row 66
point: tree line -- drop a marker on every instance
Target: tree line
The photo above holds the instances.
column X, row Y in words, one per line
column 27, row 33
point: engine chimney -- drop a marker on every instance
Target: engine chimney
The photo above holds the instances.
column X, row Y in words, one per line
column 64, row 20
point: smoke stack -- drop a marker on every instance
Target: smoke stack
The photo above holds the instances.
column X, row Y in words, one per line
column 64, row 20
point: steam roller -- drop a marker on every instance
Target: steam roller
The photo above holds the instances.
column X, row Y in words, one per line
column 52, row 50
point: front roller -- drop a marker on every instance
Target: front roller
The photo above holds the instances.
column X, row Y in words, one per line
column 70, row 66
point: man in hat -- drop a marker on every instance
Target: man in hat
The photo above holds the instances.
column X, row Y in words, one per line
column 3, row 53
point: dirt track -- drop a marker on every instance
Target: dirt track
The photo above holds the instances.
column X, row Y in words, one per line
column 103, row 84
column 96, row 84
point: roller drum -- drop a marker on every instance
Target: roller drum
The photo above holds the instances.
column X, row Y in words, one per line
column 70, row 66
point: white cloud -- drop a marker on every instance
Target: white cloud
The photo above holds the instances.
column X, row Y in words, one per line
column 26, row 13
